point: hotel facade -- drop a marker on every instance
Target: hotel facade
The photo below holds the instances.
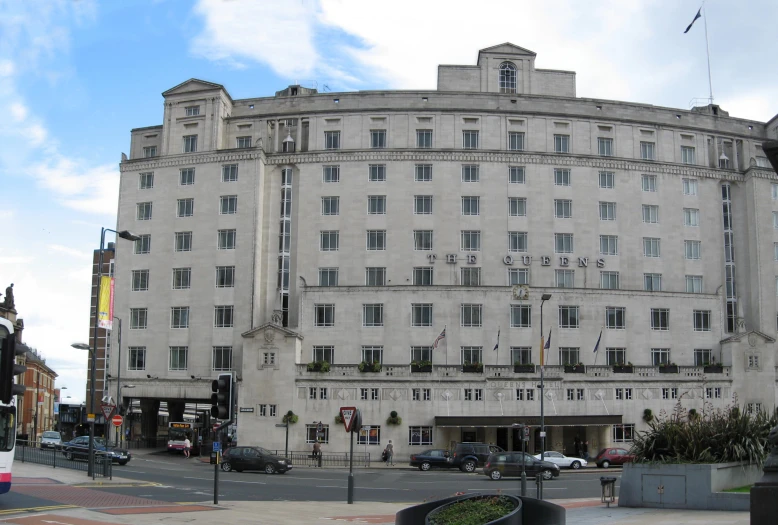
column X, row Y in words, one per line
column 319, row 244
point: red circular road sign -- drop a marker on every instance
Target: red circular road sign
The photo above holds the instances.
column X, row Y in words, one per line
column 117, row 420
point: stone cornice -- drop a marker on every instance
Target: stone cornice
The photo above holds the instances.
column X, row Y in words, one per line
column 189, row 159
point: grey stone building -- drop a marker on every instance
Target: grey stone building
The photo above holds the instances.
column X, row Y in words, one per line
column 283, row 232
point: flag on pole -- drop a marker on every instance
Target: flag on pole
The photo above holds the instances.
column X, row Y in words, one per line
column 439, row 338
column 544, row 347
column 598, row 342
column 698, row 15
column 497, row 344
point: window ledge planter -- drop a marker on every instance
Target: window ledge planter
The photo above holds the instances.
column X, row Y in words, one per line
column 420, row 367
column 369, row 367
column 623, row 369
column 713, row 369
column 473, row 368
column 319, row 366
column 668, row 369
column 575, row 369
column 524, row 369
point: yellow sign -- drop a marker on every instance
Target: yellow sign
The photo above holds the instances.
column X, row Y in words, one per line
column 105, row 303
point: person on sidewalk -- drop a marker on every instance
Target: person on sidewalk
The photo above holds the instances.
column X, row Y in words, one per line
column 187, row 445
column 389, row 453
column 585, row 450
column 317, row 454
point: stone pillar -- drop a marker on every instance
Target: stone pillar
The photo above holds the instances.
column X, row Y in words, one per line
column 148, row 423
column 175, row 410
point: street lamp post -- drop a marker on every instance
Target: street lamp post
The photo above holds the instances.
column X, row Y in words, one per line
column 119, row 431
column 124, row 234
column 545, row 297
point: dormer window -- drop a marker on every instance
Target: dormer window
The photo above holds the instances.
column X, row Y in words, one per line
column 243, row 142
column 192, row 111
column 507, row 78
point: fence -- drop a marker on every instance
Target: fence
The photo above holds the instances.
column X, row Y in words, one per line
column 328, row 459
column 55, row 457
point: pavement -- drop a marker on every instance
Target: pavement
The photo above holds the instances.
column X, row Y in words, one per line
column 84, row 502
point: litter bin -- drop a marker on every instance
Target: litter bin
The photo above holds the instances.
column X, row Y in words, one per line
column 608, row 490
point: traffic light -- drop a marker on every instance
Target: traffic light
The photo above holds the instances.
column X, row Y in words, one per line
column 221, row 398
column 8, row 367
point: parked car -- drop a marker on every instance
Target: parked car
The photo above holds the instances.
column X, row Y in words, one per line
column 78, row 448
column 51, row 439
column 613, row 456
column 560, row 459
column 436, row 457
column 469, row 456
column 254, row 458
column 509, row 464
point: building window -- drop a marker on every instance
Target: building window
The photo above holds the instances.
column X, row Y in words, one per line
column 609, row 280
column 377, row 138
column 182, row 278
column 330, row 205
column 702, row 320
column 421, row 315
column 146, row 181
column 660, row 319
column 615, row 317
column 691, row 249
column 507, row 78
column 243, row 142
column 568, row 317
column 687, row 155
column 376, row 204
column 649, row 183
column 192, row 111
column 517, row 242
column 521, row 316
column 137, row 358
column 228, row 204
column 615, row 356
column 607, row 179
column 149, row 152
column 422, row 173
column 569, row 355
column 328, row 276
column 470, row 241
column 689, row 186
column 516, row 141
column 774, row 190
column 422, row 276
column 226, row 239
column 376, row 240
column 691, row 217
column 185, row 208
column 609, row 245
column 179, row 317
column 421, row 353
column 424, row 138
column 694, row 283
column 422, row 204
column 607, row 211
column 373, row 354
column 561, row 177
column 623, row 433
column 604, row 147
column 703, row 356
column 325, row 353
column 670, row 393
column 178, row 357
column 472, row 355
column 470, row 173
column 331, row 173
column 312, row 392
column 190, row 143
column 647, row 151
column 222, row 317
column 332, row 140
column 372, row 315
column 329, row 241
column 651, row 247
column 140, row 280
column 370, row 437
column 470, row 139
column 230, row 173
column 564, row 278
column 563, row 243
column 753, row 361
column 183, row 241
column 272, row 410
column 521, row 355
column 470, row 206
column 660, row 356
column 470, row 315
column 375, row 276
column 562, row 143
column 518, row 276
column 650, row 213
column 563, row 208
column 143, row 211
column 470, row 276
column 419, row 436
column 652, row 282
column 517, row 206
column 516, row 175
column 376, row 173
column 222, row 359
column 314, row 435
column 324, row 315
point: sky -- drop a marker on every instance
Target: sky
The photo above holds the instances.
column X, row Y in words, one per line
column 77, row 75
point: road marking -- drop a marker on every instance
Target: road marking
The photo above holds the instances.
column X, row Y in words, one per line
column 361, row 488
column 37, row 509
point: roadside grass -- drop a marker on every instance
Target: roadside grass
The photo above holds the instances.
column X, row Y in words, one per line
column 746, row 488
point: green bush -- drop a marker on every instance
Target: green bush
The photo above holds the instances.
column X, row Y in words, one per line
column 290, row 418
column 475, row 511
column 394, row 419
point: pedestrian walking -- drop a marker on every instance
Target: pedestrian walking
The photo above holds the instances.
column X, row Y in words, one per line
column 585, row 450
column 317, row 453
column 187, row 445
column 389, row 451
column 577, row 446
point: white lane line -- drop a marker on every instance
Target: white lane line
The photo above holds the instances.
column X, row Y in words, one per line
column 359, row 488
column 134, row 471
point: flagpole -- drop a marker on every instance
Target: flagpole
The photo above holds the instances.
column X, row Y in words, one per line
column 445, row 341
column 707, row 49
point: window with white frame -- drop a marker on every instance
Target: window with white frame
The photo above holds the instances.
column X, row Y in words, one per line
column 609, row 245
column 691, row 217
column 691, row 249
column 507, row 78
column 471, row 206
column 516, row 140
column 329, row 240
column 370, row 437
column 376, row 204
column 192, row 111
column 775, row 250
column 604, row 147
column 330, row 205
column 222, row 359
column 651, row 247
column 702, row 320
column 521, row 355
column 375, row 276
column 518, row 276
column 648, row 183
column 190, row 143
column 230, row 173
column 137, row 358
column 377, row 138
column 178, row 357
column 228, row 204
column 146, row 181
column 753, row 361
column 179, row 317
column 647, row 151
column 516, row 175
column 703, row 356
column 376, row 240
column 470, row 241
column 660, row 356
column 373, row 354
column 183, row 241
column 615, row 356
column 607, row 179
column 470, row 173
column 521, row 316
column 149, row 152
column 670, row 393
column 472, row 355
column 568, row 316
column 422, row 276
column 323, row 353
column 332, row 140
column 609, row 280
column 424, row 138
column 615, row 317
column 564, row 278
column 563, row 243
column 182, row 278
column 694, row 283
column 470, row 315
column 563, row 208
column 422, row 204
column 421, row 353
column 775, row 220
column 774, row 190
column 687, row 155
column 223, row 316
column 562, row 143
column 419, row 436
column 470, row 139
column 373, row 315
column 243, row 142
column 226, row 239
column 376, row 173
column 650, row 213
column 660, row 319
column 470, row 276
column 689, row 186
column 422, row 173
column 330, row 174
column 607, row 211
column 185, row 208
column 569, row 355
column 421, row 315
column 143, row 211
column 314, row 435
column 140, row 280
column 561, row 177
column 623, row 433
column 517, row 206
column 517, row 242
column 328, row 277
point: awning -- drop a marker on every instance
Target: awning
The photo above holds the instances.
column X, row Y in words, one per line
column 507, row 421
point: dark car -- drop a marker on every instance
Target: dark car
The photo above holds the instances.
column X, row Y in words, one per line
column 469, row 456
column 509, row 464
column 78, row 448
column 613, row 456
column 436, row 457
column 254, row 458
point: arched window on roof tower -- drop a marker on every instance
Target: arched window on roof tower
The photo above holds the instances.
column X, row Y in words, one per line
column 507, row 78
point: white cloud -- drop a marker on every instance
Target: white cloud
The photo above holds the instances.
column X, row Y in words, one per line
column 18, row 111
column 73, row 252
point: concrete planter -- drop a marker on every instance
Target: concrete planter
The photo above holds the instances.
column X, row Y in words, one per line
column 524, row 369
column 623, row 369
column 473, row 368
column 668, row 369
column 713, row 369
column 687, row 485
column 530, row 510
column 575, row 369
column 418, row 369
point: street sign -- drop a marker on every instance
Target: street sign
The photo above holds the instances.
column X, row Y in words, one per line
column 90, row 418
column 348, row 413
column 117, row 420
column 107, row 410
column 217, row 446
column 526, row 433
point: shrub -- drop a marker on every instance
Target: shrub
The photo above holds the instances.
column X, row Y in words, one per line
column 290, row 418
column 339, row 419
column 648, row 415
column 394, row 419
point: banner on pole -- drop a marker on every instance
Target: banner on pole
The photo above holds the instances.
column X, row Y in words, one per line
column 105, row 303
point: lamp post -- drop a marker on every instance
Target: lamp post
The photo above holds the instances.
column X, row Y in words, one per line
column 124, row 234
column 119, row 431
column 545, row 297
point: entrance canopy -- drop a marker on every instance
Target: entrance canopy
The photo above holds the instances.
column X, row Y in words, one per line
column 507, row 421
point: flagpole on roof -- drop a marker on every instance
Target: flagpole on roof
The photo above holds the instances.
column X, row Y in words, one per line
column 707, row 49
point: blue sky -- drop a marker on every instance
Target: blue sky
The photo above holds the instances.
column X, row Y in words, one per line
column 77, row 75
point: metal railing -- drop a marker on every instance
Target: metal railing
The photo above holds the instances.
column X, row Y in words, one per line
column 328, row 459
column 55, row 457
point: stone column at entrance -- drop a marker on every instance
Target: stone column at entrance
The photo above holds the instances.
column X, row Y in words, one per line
column 148, row 420
column 175, row 410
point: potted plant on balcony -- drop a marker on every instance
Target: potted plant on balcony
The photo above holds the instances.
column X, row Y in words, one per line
column 394, row 419
column 421, row 366
column 523, row 368
column 318, row 366
column 575, row 368
column 712, row 367
column 373, row 366
column 472, row 368
column 621, row 368
column 670, row 368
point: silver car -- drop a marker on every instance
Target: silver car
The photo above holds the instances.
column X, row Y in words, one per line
column 560, row 459
column 51, row 439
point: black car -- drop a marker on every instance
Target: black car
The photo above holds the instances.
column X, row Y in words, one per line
column 436, row 457
column 469, row 456
column 254, row 458
column 78, row 448
column 509, row 464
